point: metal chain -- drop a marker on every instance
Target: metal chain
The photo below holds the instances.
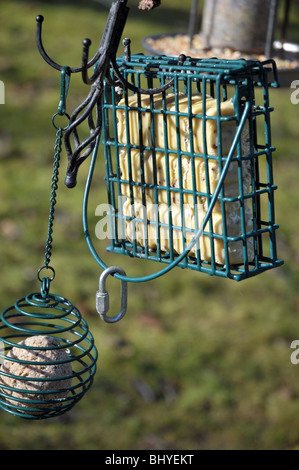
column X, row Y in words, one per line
column 54, row 187
column 45, row 281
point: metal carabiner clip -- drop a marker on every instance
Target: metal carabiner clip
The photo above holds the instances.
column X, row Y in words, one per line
column 102, row 296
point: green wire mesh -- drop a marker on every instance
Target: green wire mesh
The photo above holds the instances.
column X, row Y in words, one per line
column 246, row 84
column 48, row 358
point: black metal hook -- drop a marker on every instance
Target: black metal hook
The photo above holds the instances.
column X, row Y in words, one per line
column 39, row 21
column 103, row 60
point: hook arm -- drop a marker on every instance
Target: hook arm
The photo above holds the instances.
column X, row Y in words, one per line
column 52, row 63
column 39, row 21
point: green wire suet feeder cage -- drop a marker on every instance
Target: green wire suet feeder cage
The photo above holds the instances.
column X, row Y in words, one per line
column 189, row 178
column 188, row 159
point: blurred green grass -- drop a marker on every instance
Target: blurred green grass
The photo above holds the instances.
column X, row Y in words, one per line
column 198, row 362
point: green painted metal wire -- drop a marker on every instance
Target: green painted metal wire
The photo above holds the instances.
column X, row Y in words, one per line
column 199, row 232
column 217, row 75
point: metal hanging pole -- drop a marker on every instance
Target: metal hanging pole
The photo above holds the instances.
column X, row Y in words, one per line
column 192, row 20
column 271, row 28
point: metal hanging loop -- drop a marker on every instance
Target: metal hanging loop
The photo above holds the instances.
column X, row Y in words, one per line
column 102, row 296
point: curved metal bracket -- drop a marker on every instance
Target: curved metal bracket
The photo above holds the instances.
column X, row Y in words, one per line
column 102, row 296
column 108, row 47
column 103, row 60
column 39, row 21
column 144, row 91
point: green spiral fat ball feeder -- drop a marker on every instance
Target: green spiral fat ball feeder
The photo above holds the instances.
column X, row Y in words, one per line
column 207, row 207
column 48, row 356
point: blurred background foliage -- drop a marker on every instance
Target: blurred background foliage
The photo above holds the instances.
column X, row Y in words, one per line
column 198, row 362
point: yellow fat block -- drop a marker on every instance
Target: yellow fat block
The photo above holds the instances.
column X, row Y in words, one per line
column 157, row 120
column 153, row 125
column 153, row 222
column 160, row 171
